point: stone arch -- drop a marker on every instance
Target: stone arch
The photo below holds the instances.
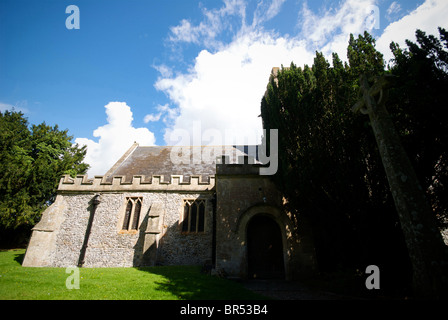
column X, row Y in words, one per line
column 279, row 218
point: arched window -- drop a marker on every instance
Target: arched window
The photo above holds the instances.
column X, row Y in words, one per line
column 132, row 213
column 186, row 217
column 201, row 216
column 127, row 215
column 193, row 216
column 136, row 217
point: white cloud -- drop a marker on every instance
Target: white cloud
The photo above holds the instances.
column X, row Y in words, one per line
column 185, row 32
column 114, row 138
column 167, row 114
column 222, row 90
column 164, row 70
column 274, row 8
column 330, row 31
column 266, row 12
column 393, row 9
column 215, row 21
column 152, row 117
column 427, row 17
column 223, row 87
column 5, row 106
column 20, row 106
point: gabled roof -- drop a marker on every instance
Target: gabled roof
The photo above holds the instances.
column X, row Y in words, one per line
column 163, row 160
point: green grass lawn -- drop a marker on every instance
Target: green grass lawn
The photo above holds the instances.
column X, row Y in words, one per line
column 152, row 283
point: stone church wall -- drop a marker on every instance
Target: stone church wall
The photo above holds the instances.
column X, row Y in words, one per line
column 109, row 246
column 99, row 205
column 243, row 194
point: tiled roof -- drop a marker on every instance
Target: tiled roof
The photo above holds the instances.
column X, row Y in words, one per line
column 163, row 160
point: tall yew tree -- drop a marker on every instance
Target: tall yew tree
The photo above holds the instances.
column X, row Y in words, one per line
column 330, row 170
column 32, row 159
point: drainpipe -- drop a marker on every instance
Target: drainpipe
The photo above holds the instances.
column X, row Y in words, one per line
column 95, row 202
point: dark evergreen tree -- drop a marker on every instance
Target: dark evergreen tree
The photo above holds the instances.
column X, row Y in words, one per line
column 330, row 170
column 32, row 160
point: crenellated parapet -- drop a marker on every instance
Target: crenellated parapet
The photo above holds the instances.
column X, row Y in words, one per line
column 82, row 183
column 117, row 183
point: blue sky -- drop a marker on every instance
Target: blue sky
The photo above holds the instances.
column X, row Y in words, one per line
column 140, row 70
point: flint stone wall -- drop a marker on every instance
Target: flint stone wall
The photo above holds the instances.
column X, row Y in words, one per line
column 108, row 246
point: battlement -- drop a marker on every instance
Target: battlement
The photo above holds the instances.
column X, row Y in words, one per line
column 81, row 183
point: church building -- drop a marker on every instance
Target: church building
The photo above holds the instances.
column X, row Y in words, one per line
column 149, row 210
column 199, row 205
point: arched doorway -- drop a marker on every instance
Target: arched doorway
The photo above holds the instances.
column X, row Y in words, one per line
column 264, row 249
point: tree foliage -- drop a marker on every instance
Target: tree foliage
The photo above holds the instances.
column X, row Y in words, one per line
column 418, row 102
column 32, row 160
column 330, row 170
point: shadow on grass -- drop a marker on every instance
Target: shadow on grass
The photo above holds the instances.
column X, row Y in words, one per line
column 185, row 282
column 18, row 257
column 188, row 283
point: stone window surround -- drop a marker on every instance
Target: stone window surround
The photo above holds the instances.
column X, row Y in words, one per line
column 134, row 200
column 181, row 218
